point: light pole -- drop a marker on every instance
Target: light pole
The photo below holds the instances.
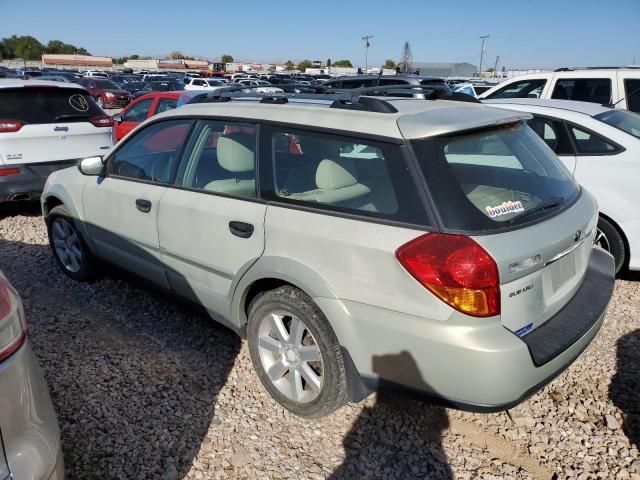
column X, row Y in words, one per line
column 366, row 39
column 482, row 37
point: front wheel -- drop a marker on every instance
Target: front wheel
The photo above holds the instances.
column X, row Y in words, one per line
column 295, row 352
column 68, row 247
column 608, row 238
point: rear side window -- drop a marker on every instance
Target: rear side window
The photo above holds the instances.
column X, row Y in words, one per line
column 553, row 133
column 621, row 119
column 632, row 92
column 344, row 174
column 38, row 105
column 165, row 104
column 588, row 143
column 596, row 90
column 152, row 153
column 493, row 179
column 138, row 112
column 521, row 89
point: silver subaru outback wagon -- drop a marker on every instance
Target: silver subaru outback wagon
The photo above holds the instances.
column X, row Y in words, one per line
column 436, row 246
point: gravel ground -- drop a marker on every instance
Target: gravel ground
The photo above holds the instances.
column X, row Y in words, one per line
column 146, row 388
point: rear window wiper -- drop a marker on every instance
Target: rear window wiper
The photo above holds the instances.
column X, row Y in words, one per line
column 552, row 202
column 71, row 117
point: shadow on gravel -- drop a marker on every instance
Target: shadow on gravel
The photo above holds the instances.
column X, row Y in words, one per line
column 133, row 374
column 624, row 390
column 13, row 209
column 397, row 437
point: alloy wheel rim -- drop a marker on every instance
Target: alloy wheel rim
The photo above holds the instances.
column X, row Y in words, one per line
column 290, row 356
column 66, row 245
column 602, row 240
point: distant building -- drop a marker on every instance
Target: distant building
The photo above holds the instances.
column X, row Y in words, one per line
column 80, row 61
column 445, row 69
column 167, row 64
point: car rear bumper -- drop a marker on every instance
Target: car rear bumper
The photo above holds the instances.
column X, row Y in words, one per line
column 27, row 420
column 28, row 184
column 465, row 363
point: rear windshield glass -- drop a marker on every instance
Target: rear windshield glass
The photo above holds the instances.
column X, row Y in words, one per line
column 36, row 105
column 625, row 121
column 494, row 179
column 107, row 85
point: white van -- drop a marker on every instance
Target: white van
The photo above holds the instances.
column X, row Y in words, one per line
column 606, row 86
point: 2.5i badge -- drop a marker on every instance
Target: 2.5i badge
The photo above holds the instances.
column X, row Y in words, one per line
column 505, row 208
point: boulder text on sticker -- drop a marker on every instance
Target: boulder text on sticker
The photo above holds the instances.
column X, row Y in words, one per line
column 505, row 208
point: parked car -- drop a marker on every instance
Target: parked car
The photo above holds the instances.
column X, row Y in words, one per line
column 45, row 126
column 601, row 147
column 125, row 79
column 106, row 93
column 55, row 78
column 260, row 86
column 134, row 87
column 367, row 81
column 29, row 434
column 142, row 108
column 149, row 87
column 342, row 272
column 473, row 89
column 617, row 86
column 203, row 84
column 95, row 74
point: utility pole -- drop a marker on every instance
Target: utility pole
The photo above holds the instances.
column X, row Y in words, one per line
column 495, row 66
column 366, row 39
column 482, row 37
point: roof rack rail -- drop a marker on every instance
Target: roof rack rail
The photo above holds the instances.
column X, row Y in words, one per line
column 571, row 69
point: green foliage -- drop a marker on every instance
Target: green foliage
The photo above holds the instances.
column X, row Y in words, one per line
column 179, row 56
column 388, row 63
column 328, row 62
column 342, row 63
column 29, row 48
column 226, row 58
column 289, row 65
column 304, row 64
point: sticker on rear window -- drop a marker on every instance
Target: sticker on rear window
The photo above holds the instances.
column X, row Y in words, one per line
column 79, row 103
column 505, row 208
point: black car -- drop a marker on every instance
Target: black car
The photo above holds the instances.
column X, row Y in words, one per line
column 133, row 87
column 364, row 81
column 124, row 79
column 164, row 86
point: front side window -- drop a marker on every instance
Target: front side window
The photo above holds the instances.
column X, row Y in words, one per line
column 632, row 92
column 339, row 173
column 138, row 112
column 521, row 89
column 152, row 153
column 493, row 179
column 588, row 143
column 165, row 104
column 220, row 157
column 596, row 90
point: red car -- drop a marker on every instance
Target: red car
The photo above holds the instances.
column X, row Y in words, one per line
column 142, row 108
column 106, row 93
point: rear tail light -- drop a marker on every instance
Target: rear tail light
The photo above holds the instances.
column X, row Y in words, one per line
column 6, row 171
column 102, row 121
column 13, row 329
column 455, row 269
column 10, row 126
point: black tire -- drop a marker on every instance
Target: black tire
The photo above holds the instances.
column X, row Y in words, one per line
column 609, row 238
column 333, row 392
column 88, row 265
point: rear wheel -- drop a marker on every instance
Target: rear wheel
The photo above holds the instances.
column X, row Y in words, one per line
column 608, row 238
column 296, row 353
column 68, row 247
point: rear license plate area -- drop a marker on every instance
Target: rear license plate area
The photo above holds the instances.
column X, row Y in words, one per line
column 562, row 270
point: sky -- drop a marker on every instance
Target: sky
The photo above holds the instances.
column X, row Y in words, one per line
column 524, row 33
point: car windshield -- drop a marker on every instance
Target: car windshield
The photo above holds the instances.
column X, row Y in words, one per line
column 622, row 120
column 495, row 178
column 107, row 85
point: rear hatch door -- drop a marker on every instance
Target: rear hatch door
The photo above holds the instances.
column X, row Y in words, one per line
column 56, row 125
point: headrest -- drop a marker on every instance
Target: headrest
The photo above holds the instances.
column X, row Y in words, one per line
column 318, row 147
column 235, row 152
column 333, row 174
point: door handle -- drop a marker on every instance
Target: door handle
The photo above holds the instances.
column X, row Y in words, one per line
column 241, row 229
column 143, row 205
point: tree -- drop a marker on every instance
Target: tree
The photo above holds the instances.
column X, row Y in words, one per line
column 226, row 58
column 491, row 69
column 28, row 48
column 289, row 65
column 390, row 64
column 343, row 63
column 176, row 55
column 134, row 57
column 328, row 62
column 406, row 59
column 304, row 64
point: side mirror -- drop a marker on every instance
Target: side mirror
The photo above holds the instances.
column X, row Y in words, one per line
column 117, row 118
column 91, row 166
